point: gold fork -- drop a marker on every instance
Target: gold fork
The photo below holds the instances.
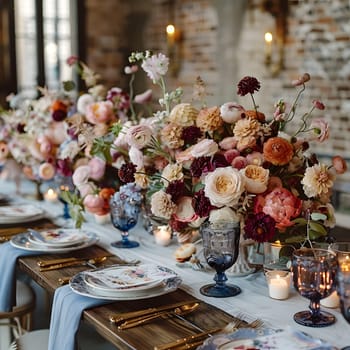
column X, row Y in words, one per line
column 195, row 340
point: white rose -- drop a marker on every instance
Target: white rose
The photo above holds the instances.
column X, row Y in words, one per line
column 224, row 186
column 83, row 101
column 224, row 214
column 184, row 210
column 139, row 136
column 204, row 148
column 231, row 112
column 256, row 178
column 81, row 175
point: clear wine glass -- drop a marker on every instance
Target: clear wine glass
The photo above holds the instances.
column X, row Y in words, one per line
column 314, row 272
column 221, row 247
column 125, row 207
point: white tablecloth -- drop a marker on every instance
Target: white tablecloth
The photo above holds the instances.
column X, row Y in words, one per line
column 253, row 302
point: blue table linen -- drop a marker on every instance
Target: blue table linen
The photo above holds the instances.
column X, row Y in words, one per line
column 8, row 257
column 67, row 309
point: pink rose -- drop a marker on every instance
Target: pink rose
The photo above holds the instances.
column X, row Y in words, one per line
column 46, row 171
column 339, row 164
column 57, row 133
column 99, row 112
column 184, row 210
column 97, row 168
column 204, row 148
column 281, row 205
column 239, row 162
column 228, row 143
column 136, row 157
column 81, row 175
column 45, row 145
column 139, row 136
column 255, row 158
column 231, row 155
column 320, row 130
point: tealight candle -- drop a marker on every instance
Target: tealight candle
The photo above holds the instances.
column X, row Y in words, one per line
column 278, row 283
column 50, row 195
column 162, row 235
column 331, row 301
column 103, row 219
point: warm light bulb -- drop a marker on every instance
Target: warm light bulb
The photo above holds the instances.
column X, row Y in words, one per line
column 268, row 37
column 170, row 29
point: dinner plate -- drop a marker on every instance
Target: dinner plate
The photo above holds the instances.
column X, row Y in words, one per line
column 79, row 286
column 13, row 214
column 60, row 237
column 261, row 339
column 130, row 278
column 21, row 241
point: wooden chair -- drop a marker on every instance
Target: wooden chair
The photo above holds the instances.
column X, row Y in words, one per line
column 16, row 322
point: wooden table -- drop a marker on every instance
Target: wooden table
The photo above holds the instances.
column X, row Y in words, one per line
column 143, row 337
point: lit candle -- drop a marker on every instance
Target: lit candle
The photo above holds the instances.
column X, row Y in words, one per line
column 162, row 235
column 268, row 47
column 50, row 195
column 278, row 283
column 344, row 262
column 103, row 219
column 170, row 31
column 332, row 301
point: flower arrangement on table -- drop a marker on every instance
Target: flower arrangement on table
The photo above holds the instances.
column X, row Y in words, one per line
column 230, row 163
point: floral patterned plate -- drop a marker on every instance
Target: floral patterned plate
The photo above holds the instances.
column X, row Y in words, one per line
column 264, row 339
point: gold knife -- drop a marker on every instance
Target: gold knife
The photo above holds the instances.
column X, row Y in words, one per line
column 74, row 263
column 50, row 262
column 120, row 318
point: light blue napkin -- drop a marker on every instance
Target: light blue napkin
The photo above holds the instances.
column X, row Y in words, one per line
column 67, row 309
column 8, row 257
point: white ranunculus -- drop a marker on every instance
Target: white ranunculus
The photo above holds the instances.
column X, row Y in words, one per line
column 222, row 215
column 83, row 101
column 139, row 136
column 204, row 148
column 224, row 186
column 231, row 112
column 136, row 157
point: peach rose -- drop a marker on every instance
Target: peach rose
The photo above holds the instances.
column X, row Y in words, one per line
column 46, row 171
column 184, row 210
column 99, row 112
column 256, row 178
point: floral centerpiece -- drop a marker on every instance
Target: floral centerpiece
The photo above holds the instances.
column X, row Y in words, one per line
column 229, row 163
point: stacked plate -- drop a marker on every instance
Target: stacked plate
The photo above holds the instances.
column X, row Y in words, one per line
column 126, row 282
column 54, row 240
column 14, row 214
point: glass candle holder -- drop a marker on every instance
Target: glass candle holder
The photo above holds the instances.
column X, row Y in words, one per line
column 278, row 283
column 162, row 235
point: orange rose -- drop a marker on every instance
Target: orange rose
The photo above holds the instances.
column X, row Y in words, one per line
column 253, row 114
column 59, row 105
column 278, row 151
column 106, row 194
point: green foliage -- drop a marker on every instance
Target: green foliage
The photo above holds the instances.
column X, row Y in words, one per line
column 68, row 85
column 76, row 207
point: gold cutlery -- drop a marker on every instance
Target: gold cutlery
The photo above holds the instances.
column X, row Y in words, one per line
column 89, row 262
column 64, row 280
column 178, row 311
column 195, row 340
column 43, row 263
column 120, row 318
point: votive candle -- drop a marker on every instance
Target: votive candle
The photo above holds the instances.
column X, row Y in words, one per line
column 50, row 195
column 278, row 283
column 162, row 235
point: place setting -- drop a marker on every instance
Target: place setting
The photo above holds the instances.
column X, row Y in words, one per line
column 20, row 213
column 60, row 240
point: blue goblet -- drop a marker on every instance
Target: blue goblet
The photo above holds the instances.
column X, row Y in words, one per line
column 125, row 207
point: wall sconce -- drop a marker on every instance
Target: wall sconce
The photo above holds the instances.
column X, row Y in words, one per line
column 274, row 46
column 174, row 48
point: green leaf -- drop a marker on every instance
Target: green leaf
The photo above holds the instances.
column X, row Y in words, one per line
column 317, row 227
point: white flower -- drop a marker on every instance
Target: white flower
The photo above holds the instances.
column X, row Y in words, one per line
column 139, row 136
column 231, row 112
column 204, row 148
column 224, row 186
column 83, row 101
column 69, row 149
column 81, row 175
column 224, row 214
column 172, row 172
column 156, row 66
column 256, row 178
column 162, row 205
column 136, row 157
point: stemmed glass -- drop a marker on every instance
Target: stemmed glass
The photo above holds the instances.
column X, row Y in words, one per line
column 125, row 207
column 221, row 247
column 65, row 185
column 314, row 272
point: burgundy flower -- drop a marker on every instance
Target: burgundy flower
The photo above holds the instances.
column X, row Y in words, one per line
column 64, row 167
column 119, row 98
column 20, row 128
column 248, row 85
column 260, row 227
column 176, row 225
column 127, row 172
column 191, row 134
column 201, row 204
column 59, row 115
column 201, row 165
column 219, row 161
column 176, row 189
column 71, row 60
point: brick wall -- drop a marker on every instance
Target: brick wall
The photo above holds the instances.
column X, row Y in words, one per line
column 223, row 41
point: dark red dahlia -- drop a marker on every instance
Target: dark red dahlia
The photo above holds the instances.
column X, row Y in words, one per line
column 175, row 189
column 177, row 226
column 191, row 134
column 20, row 128
column 201, row 165
column 59, row 115
column 260, row 227
column 219, row 161
column 127, row 172
column 248, row 85
column 64, row 167
column 201, row 204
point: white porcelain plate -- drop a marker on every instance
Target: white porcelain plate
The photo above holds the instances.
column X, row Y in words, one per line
column 13, row 214
column 21, row 241
column 60, row 237
column 122, row 278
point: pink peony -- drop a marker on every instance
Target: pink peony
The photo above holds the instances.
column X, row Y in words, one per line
column 99, row 112
column 281, row 205
column 93, row 203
